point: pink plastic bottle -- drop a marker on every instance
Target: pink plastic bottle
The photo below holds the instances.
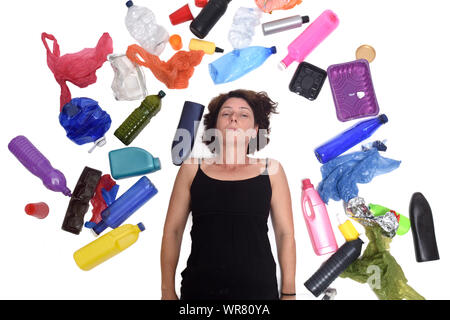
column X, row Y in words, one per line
column 306, row 42
column 317, row 220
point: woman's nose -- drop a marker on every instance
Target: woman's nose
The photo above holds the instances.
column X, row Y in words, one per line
column 233, row 117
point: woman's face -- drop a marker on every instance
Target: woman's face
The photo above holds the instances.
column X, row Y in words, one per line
column 236, row 120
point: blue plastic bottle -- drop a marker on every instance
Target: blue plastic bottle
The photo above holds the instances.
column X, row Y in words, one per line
column 349, row 138
column 127, row 204
column 184, row 139
column 238, row 62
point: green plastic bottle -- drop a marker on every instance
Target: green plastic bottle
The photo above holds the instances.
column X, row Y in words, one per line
column 139, row 119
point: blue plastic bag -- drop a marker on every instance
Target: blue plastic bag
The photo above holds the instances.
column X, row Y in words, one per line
column 84, row 121
column 341, row 175
column 239, row 62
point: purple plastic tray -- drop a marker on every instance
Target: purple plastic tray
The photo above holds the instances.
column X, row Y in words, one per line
column 353, row 92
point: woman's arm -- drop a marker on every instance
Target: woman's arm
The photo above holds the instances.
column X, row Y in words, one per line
column 283, row 225
column 177, row 215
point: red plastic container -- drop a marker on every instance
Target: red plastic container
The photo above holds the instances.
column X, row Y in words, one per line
column 38, row 210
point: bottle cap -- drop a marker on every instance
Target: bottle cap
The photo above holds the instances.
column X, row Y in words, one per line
column 219, row 50
column 273, row 50
column 201, row 3
column 383, row 119
column 161, row 94
column 307, row 184
column 100, row 227
column 176, row 42
column 156, row 164
column 129, row 4
column 366, row 52
column 305, row 19
column 38, row 210
column 181, row 15
column 141, row 226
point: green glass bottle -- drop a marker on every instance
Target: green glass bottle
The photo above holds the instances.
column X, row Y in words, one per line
column 139, row 119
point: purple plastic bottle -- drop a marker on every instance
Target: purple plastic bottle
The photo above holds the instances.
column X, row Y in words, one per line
column 38, row 165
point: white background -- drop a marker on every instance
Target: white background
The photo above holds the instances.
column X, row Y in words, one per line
column 410, row 76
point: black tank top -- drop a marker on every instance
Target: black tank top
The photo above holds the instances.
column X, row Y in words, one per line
column 231, row 257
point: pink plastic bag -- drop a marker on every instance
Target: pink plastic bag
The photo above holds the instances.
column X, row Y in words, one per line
column 78, row 68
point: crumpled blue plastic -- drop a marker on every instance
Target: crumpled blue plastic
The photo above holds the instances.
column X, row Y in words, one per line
column 84, row 120
column 340, row 176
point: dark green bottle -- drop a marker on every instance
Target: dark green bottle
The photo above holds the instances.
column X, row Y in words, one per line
column 140, row 117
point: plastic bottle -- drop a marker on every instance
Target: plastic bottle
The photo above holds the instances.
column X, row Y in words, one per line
column 284, row 24
column 141, row 23
column 422, row 229
column 139, row 119
column 107, row 246
column 334, row 266
column 239, row 62
column 317, row 220
column 205, row 46
column 243, row 28
column 347, row 229
column 349, row 138
column 38, row 165
column 84, row 122
column 403, row 222
column 127, row 204
column 208, row 17
column 316, row 32
column 131, row 162
column 184, row 139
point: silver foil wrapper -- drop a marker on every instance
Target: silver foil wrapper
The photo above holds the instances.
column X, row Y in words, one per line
column 357, row 210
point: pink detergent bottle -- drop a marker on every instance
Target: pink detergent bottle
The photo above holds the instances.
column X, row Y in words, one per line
column 307, row 41
column 317, row 220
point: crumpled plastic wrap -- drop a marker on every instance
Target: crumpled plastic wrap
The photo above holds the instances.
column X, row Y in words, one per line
column 378, row 268
column 341, row 175
column 357, row 210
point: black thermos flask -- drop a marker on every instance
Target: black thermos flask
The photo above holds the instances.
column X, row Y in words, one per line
column 208, row 17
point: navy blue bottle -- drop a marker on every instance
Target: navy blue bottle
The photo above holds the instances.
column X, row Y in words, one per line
column 184, row 139
column 127, row 204
column 349, row 138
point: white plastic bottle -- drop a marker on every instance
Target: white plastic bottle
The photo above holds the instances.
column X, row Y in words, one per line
column 141, row 23
column 243, row 27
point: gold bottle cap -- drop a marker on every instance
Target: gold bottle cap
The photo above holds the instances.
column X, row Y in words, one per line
column 366, row 52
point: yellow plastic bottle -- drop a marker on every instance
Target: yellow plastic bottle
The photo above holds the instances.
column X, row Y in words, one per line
column 348, row 230
column 107, row 246
column 205, row 46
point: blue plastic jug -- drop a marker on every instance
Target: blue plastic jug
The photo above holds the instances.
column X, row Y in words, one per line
column 238, row 62
column 127, row 204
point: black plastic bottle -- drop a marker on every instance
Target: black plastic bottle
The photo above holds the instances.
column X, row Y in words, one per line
column 208, row 17
column 334, row 266
column 422, row 227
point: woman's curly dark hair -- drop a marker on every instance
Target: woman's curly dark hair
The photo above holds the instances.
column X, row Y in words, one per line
column 262, row 107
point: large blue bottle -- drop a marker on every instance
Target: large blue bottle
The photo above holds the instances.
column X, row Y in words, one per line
column 238, row 62
column 128, row 203
column 349, row 138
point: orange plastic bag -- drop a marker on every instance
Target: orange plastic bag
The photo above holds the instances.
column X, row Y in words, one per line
column 78, row 68
column 271, row 5
column 175, row 73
